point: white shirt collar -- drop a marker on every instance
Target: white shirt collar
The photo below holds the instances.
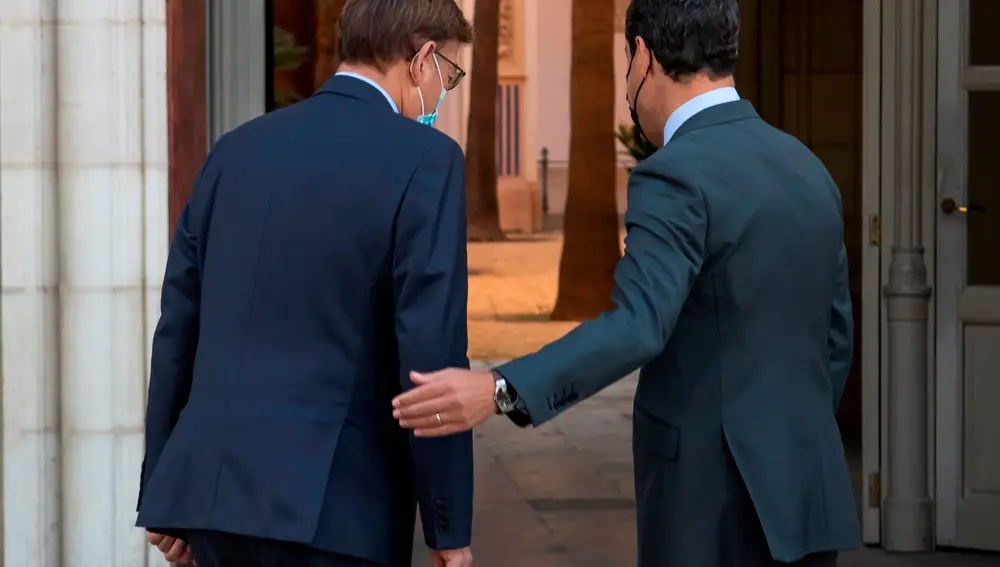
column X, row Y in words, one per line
column 701, row 102
column 365, row 79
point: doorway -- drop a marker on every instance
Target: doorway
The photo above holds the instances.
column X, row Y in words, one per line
column 968, row 276
column 802, row 65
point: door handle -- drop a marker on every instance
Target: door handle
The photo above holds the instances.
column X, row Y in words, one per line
column 949, row 207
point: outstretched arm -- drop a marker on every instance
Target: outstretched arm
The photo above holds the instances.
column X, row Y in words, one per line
column 664, row 250
column 430, row 272
column 666, row 225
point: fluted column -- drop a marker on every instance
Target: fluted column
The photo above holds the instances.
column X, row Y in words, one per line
column 909, row 40
column 102, row 311
column 29, row 318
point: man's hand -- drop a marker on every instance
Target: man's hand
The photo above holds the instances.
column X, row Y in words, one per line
column 174, row 550
column 445, row 402
column 451, row 557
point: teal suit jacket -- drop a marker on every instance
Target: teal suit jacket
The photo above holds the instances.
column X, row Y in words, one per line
column 732, row 297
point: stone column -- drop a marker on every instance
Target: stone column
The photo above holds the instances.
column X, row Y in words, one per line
column 100, row 90
column 909, row 37
column 29, row 318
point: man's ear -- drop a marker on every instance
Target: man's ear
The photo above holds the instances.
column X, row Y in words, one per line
column 423, row 56
column 641, row 49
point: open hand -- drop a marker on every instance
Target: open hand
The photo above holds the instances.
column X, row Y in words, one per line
column 451, row 557
column 174, row 550
column 445, row 402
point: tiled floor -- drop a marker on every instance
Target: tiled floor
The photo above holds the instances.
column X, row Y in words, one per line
column 561, row 495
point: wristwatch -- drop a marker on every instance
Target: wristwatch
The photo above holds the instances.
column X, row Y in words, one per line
column 503, row 397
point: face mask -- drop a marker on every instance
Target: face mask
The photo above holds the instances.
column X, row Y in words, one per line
column 430, row 119
column 640, row 138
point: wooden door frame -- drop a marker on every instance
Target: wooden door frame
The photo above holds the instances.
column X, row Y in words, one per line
column 951, row 167
column 871, row 272
column 232, row 58
column 186, row 100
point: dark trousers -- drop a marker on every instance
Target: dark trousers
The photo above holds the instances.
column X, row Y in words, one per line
column 216, row 549
column 828, row 559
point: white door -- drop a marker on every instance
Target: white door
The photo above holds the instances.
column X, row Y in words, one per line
column 968, row 275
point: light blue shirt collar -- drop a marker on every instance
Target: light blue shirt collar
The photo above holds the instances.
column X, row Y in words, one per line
column 701, row 102
column 365, row 79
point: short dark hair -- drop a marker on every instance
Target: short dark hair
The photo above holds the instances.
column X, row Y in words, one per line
column 380, row 32
column 687, row 36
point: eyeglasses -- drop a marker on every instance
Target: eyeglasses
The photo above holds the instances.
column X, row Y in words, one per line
column 452, row 79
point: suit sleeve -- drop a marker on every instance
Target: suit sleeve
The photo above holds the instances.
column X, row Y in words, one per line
column 840, row 340
column 176, row 335
column 666, row 225
column 430, row 273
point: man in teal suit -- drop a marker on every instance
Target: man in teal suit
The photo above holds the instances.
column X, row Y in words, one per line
column 732, row 298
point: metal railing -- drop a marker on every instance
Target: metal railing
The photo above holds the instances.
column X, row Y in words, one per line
column 543, row 165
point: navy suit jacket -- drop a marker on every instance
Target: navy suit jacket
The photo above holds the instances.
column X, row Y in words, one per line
column 321, row 257
column 733, row 298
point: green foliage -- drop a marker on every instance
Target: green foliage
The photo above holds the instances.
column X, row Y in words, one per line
column 288, row 56
column 637, row 150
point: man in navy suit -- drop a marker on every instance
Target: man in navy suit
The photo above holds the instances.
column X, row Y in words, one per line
column 321, row 257
column 732, row 298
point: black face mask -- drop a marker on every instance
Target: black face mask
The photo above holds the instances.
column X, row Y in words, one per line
column 638, row 136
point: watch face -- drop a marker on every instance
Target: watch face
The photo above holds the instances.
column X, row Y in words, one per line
column 502, row 396
column 504, row 402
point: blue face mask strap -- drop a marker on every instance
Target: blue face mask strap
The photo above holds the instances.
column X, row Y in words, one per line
column 430, row 119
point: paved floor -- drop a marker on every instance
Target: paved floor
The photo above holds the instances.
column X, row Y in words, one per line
column 562, row 495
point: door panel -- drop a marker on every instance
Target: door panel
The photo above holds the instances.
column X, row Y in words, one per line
column 984, row 49
column 978, row 511
column 969, row 274
column 983, row 189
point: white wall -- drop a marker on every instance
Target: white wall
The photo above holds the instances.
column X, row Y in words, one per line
column 453, row 116
column 29, row 268
column 83, row 233
column 553, row 58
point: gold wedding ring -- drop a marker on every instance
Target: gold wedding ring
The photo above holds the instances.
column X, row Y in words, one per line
column 438, row 417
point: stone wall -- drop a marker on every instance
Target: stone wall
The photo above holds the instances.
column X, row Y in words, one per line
column 83, row 239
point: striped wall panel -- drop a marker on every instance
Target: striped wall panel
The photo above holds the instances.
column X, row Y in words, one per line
column 508, row 130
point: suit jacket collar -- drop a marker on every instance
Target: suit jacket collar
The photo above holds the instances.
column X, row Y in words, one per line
column 356, row 89
column 718, row 114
